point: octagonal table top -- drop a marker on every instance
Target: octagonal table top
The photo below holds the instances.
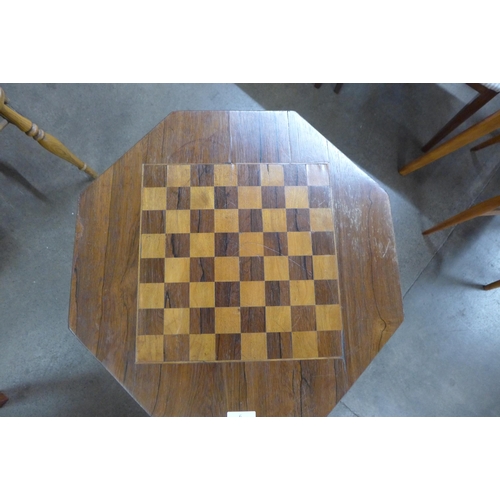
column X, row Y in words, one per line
column 229, row 317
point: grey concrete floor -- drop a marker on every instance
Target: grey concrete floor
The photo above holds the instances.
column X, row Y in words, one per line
column 442, row 361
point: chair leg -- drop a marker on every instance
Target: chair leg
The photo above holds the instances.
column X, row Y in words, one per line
column 3, row 399
column 491, row 286
column 473, row 133
column 485, row 144
column 471, row 213
column 337, row 87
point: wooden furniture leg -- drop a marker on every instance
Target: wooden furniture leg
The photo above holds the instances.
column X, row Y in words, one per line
column 3, row 399
column 473, row 133
column 485, row 144
column 491, row 286
column 49, row 142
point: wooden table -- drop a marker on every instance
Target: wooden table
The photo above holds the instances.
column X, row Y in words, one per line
column 241, row 374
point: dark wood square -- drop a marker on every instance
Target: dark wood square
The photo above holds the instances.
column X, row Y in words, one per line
column 201, row 269
column 153, row 222
column 150, row 322
column 320, row 197
column 178, row 198
column 300, row 267
column 227, row 294
column 152, row 271
column 273, row 197
column 277, row 293
column 303, row 318
column 279, row 345
column 154, row 176
column 252, row 269
column 176, row 295
column 322, row 243
column 248, row 175
column 202, row 320
column 330, row 344
column 275, row 244
column 297, row 219
column 228, row 347
column 176, row 347
column 227, row 244
column 326, row 292
column 177, row 245
column 226, row 197
column 253, row 319
column 202, row 175
column 250, row 220
column 202, row 221
column 295, row 175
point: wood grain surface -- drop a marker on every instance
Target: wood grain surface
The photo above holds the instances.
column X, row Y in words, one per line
column 103, row 308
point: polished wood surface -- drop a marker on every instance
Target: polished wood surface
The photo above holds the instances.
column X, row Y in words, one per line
column 106, row 268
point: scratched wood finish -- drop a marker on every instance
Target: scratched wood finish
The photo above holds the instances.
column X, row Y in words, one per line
column 105, row 270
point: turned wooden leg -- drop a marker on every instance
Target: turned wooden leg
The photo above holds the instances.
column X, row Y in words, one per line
column 491, row 286
column 484, row 208
column 485, row 144
column 484, row 127
column 3, row 399
column 49, row 142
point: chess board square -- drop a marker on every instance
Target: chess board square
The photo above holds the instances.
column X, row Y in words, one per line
column 151, row 295
column 320, row 197
column 202, row 320
column 202, row 175
column 150, row 322
column 252, row 294
column 202, row 295
column 296, row 197
column 178, row 175
column 325, row 267
column 249, row 175
column 252, row 268
column 326, row 292
column 154, row 198
column 300, row 267
column 226, row 197
column 297, row 219
column 279, row 345
column 249, row 197
column 330, row 344
column 154, row 176
column 225, row 175
column 295, row 175
column 202, row 269
column 227, row 320
column 305, row 344
column 176, row 295
column 228, row 347
column 322, row 243
column 251, row 244
column 329, row 317
column 253, row 319
column 277, row 293
column 273, row 197
column 299, row 244
column 176, row 321
column 202, row 245
column 317, row 175
column 250, row 221
column 178, row 198
column 152, row 271
column 276, row 268
column 321, row 219
column 254, row 347
column 176, row 347
column 177, row 245
column 302, row 293
column 202, row 198
column 153, row 222
column 202, row 347
column 274, row 220
column 227, row 294
column 177, row 270
column 202, row 221
column 227, row 244
column 272, row 175
column 275, row 244
column 227, row 269
column 152, row 245
column 303, row 319
column 278, row 319
column 149, row 348
column 178, row 221
column 226, row 221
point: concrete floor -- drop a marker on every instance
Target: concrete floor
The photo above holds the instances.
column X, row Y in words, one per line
column 442, row 361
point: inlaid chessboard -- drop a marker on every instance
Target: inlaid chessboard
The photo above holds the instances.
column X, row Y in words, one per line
column 237, row 263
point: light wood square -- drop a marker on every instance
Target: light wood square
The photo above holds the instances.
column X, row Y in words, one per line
column 202, row 245
column 177, row 270
column 249, row 197
column 321, row 219
column 272, row 175
column 279, row 319
column 227, row 269
column 176, row 321
column 299, row 243
column 149, row 349
column 151, row 295
column 274, row 220
column 202, row 198
column 276, row 269
column 178, row 221
column 302, row 293
column 154, row 198
column 202, row 347
column 225, row 175
column 202, row 294
column 253, row 346
column 305, row 344
column 252, row 293
column 296, row 197
column 328, row 318
column 251, row 244
column 178, row 175
column 226, row 221
column 325, row 267
column 227, row 320
column 152, row 246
